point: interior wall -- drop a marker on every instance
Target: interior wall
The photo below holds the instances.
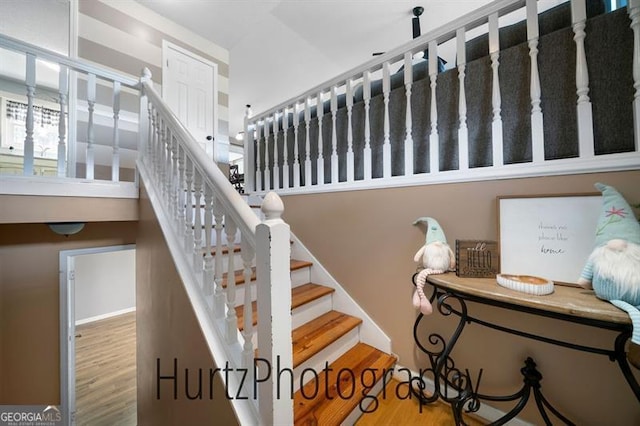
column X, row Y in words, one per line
column 374, row 262
column 167, row 329
column 105, row 283
column 29, row 304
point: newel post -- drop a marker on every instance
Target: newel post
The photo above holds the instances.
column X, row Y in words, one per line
column 274, row 302
column 143, row 114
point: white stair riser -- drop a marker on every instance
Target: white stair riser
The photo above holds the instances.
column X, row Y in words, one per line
column 298, row 278
column 329, row 354
column 309, row 311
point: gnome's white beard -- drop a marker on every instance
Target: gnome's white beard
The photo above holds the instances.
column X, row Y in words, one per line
column 436, row 256
column 620, row 265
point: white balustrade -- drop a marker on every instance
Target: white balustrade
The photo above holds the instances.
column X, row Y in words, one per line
column 334, row 135
column 463, row 132
column 584, row 108
column 320, row 161
column 434, row 140
column 386, row 144
column 31, row 89
column 496, row 100
column 537, row 132
column 366, row 154
column 350, row 154
column 408, row 139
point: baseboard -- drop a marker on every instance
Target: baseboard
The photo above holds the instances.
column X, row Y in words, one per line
column 486, row 412
column 105, row 316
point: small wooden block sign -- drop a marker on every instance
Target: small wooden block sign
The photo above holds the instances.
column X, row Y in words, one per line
column 477, row 259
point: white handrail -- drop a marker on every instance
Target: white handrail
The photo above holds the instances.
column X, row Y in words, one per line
column 74, row 64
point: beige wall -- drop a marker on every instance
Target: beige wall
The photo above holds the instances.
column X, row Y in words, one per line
column 366, row 241
column 29, row 304
column 42, row 209
column 167, row 328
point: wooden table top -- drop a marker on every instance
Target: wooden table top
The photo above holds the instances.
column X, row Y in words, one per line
column 572, row 301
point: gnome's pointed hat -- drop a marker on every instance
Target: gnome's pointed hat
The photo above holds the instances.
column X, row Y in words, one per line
column 616, row 219
column 434, row 231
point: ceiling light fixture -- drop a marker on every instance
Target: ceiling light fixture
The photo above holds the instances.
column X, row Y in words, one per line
column 66, row 228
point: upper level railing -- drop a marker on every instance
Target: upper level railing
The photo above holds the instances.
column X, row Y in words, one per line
column 369, row 127
column 52, row 83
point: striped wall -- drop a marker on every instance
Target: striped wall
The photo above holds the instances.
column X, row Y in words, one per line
column 126, row 36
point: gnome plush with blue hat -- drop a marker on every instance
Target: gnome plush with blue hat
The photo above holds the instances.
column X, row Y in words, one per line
column 435, row 257
column 613, row 269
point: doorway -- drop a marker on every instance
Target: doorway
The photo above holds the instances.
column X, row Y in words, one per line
column 189, row 86
column 97, row 286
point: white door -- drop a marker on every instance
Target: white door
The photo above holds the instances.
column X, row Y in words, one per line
column 189, row 87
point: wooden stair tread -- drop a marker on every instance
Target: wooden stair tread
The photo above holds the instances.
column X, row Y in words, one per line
column 328, row 407
column 239, row 274
column 300, row 295
column 315, row 335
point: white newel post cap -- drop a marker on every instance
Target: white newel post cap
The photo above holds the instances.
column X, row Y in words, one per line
column 146, row 75
column 272, row 207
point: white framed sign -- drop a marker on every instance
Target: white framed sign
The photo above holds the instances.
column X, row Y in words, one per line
column 549, row 236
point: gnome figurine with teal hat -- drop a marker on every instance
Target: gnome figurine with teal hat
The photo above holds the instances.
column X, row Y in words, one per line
column 435, row 257
column 613, row 269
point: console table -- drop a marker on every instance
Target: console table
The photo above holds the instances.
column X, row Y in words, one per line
column 570, row 304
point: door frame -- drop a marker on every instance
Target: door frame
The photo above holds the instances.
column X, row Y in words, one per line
column 68, row 326
column 166, row 45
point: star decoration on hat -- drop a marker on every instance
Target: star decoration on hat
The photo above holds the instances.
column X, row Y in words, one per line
column 618, row 212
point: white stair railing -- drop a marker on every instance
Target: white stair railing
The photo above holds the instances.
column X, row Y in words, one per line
column 375, row 164
column 180, row 178
column 68, row 72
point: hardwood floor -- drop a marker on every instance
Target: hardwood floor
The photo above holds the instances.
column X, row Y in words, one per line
column 106, row 383
column 406, row 412
column 106, row 372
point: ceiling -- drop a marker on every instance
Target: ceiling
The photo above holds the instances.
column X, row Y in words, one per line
column 280, row 48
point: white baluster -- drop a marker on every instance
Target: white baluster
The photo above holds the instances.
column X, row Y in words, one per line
column 175, row 180
column 91, row 101
column 633, row 9
column 366, row 153
column 31, row 90
column 207, row 273
column 496, row 100
column 246, row 251
column 463, row 132
column 408, row 140
column 267, row 169
column 219, row 296
column 334, row 136
column 162, row 134
column 181, row 189
column 115, row 166
column 386, row 146
column 258, row 156
column 276, row 166
column 188, row 228
column 350, row 155
column 197, row 222
column 249, row 152
column 320, row 160
column 286, row 182
column 296, row 155
column 584, row 108
column 434, row 140
column 307, row 161
column 537, row 129
column 273, row 252
column 63, row 89
column 153, row 142
column 231, row 319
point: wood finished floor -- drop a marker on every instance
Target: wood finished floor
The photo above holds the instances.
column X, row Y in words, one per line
column 106, row 383
column 106, row 372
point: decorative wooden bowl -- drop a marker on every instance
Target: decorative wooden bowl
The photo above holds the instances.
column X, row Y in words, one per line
column 526, row 284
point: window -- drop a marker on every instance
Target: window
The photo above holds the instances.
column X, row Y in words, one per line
column 45, row 130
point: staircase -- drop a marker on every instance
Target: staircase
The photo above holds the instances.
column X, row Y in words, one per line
column 328, row 352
